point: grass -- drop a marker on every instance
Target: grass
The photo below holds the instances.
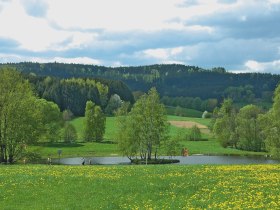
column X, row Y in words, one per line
column 109, row 132
column 140, row 187
column 80, row 149
column 193, row 119
column 111, row 126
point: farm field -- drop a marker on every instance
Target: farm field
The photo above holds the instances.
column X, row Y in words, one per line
column 109, row 148
column 140, row 187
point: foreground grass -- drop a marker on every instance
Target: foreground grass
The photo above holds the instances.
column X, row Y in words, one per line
column 140, row 187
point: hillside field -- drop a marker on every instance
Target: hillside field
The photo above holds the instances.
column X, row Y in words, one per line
column 140, row 187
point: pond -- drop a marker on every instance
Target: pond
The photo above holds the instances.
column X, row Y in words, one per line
column 189, row 160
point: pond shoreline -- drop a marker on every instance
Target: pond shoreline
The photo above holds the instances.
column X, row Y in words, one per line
column 187, row 160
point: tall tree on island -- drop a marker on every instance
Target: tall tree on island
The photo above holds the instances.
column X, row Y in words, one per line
column 145, row 128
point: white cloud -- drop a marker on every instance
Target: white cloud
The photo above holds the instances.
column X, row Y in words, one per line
column 84, row 60
column 114, row 15
column 206, row 33
column 166, row 55
column 4, row 58
column 260, row 67
column 32, row 33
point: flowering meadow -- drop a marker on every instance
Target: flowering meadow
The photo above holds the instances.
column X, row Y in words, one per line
column 140, row 187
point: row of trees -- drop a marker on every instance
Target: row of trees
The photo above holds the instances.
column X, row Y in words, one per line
column 249, row 128
column 191, row 103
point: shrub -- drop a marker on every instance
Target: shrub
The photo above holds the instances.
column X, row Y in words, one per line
column 195, row 134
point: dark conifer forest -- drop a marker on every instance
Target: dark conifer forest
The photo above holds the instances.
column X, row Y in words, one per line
column 178, row 85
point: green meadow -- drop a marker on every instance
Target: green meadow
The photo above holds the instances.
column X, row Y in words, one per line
column 140, row 187
column 109, row 147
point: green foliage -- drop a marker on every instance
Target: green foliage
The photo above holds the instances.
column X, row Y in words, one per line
column 67, row 115
column 271, row 125
column 206, row 115
column 182, row 112
column 241, row 93
column 171, row 80
column 173, row 147
column 72, row 94
column 249, row 129
column 70, row 133
column 100, row 122
column 225, row 125
column 51, row 120
column 89, row 133
column 145, row 127
column 194, row 134
column 94, row 123
column 20, row 120
column 113, row 105
column 31, row 156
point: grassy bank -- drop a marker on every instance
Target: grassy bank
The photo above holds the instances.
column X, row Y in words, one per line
column 140, row 187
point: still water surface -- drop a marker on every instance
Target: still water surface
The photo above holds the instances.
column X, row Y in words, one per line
column 189, row 160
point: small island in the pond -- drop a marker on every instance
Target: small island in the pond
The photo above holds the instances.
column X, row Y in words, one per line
column 154, row 161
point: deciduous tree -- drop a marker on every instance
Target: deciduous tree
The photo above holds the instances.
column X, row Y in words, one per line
column 145, row 128
column 19, row 117
column 249, row 129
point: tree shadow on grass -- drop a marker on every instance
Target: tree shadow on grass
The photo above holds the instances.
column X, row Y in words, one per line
column 58, row 144
column 107, row 142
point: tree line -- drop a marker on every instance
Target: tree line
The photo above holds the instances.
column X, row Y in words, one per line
column 172, row 80
column 73, row 93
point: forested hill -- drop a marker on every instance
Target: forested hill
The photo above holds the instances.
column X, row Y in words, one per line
column 73, row 93
column 170, row 80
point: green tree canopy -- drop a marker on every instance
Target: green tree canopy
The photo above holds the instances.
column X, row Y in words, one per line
column 271, row 125
column 144, row 129
column 225, row 125
column 20, row 118
column 94, row 122
column 249, row 129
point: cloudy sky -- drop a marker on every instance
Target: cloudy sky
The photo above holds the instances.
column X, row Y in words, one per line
column 240, row 35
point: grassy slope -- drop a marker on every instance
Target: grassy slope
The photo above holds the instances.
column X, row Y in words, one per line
column 107, row 149
column 109, row 132
column 140, row 187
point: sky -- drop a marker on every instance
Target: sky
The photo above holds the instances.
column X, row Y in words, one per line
column 239, row 35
